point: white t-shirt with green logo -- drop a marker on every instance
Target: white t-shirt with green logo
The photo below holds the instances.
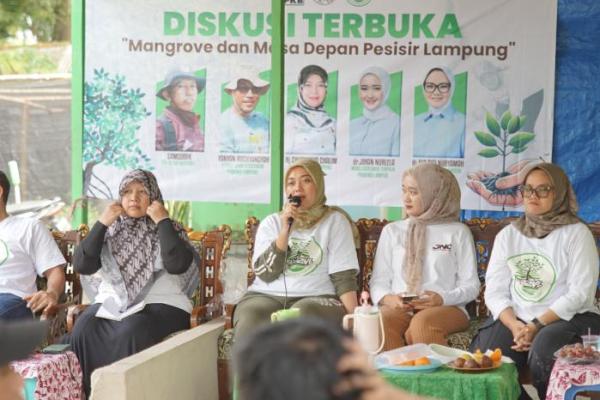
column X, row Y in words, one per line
column 313, row 255
column 531, row 275
column 27, row 249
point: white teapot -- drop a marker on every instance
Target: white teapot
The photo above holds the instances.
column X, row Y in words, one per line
column 367, row 325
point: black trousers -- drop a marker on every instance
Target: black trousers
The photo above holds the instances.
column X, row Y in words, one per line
column 540, row 357
column 98, row 342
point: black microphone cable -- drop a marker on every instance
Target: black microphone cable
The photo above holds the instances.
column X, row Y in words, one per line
column 295, row 200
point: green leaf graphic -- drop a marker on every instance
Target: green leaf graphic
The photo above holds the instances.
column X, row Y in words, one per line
column 485, row 138
column 492, row 124
column 488, row 153
column 505, row 118
column 514, row 124
column 521, row 139
column 517, row 150
column 522, row 120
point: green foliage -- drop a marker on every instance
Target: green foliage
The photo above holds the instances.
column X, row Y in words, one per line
column 25, row 60
column 179, row 211
column 112, row 115
column 509, row 139
column 48, row 20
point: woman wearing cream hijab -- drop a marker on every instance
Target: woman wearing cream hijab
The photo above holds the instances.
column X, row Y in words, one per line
column 431, row 255
column 377, row 131
column 309, row 264
column 541, row 278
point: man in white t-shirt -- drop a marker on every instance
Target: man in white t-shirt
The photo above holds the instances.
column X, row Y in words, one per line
column 27, row 250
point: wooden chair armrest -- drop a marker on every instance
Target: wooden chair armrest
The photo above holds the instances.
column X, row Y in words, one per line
column 74, row 312
column 198, row 316
column 201, row 314
column 229, row 315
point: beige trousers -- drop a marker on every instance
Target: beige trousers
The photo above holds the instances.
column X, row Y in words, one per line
column 431, row 325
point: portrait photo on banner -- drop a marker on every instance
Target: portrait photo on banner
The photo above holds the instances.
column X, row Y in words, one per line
column 375, row 110
column 440, row 107
column 180, row 105
column 245, row 107
column 311, row 117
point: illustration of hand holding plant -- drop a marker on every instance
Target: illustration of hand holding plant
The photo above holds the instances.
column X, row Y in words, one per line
column 503, row 139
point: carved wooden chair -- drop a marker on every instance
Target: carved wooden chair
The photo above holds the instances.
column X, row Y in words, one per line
column 57, row 315
column 369, row 231
column 212, row 246
column 484, row 232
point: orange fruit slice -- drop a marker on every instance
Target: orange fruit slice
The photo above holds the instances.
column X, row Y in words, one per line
column 496, row 355
column 422, row 361
column 407, row 363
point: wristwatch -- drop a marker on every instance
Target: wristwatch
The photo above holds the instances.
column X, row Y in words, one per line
column 538, row 324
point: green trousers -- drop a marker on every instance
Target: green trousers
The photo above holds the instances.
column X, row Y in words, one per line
column 255, row 309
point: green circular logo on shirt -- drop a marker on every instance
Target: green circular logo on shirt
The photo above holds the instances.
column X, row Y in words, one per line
column 304, row 256
column 533, row 275
column 3, row 251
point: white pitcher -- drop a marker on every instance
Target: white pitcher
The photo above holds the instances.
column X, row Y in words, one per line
column 367, row 326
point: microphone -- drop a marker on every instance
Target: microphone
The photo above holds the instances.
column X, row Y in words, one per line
column 295, row 200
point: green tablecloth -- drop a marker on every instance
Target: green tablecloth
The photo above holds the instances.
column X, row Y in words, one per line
column 446, row 383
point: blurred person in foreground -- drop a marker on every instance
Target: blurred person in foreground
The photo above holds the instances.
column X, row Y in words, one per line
column 307, row 358
column 17, row 341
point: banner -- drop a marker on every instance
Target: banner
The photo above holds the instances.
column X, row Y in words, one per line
column 182, row 89
column 371, row 89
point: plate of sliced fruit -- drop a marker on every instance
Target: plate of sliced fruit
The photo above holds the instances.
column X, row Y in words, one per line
column 477, row 362
column 421, row 364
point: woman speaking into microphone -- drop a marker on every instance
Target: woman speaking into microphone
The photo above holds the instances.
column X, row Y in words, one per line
column 304, row 256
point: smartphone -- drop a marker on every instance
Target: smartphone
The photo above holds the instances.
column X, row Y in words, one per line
column 56, row 348
column 408, row 297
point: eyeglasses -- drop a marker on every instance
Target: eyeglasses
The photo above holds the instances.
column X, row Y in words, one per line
column 443, row 87
column 541, row 192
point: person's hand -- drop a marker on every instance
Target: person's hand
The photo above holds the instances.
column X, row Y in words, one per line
column 518, row 330
column 509, row 183
column 395, row 301
column 359, row 376
column 157, row 211
column 111, row 213
column 41, row 301
column 290, row 210
column 524, row 337
column 427, row 300
column 11, row 384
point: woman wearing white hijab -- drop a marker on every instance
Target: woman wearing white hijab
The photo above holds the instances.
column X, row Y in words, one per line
column 439, row 132
column 430, row 254
column 377, row 131
column 308, row 127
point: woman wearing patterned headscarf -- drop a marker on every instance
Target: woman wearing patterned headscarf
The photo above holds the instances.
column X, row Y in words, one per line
column 440, row 131
column 304, row 256
column 139, row 258
column 308, row 127
column 429, row 255
column 541, row 278
column 377, row 131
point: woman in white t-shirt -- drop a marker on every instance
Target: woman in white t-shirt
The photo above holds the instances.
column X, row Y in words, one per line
column 431, row 255
column 304, row 256
column 541, row 278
